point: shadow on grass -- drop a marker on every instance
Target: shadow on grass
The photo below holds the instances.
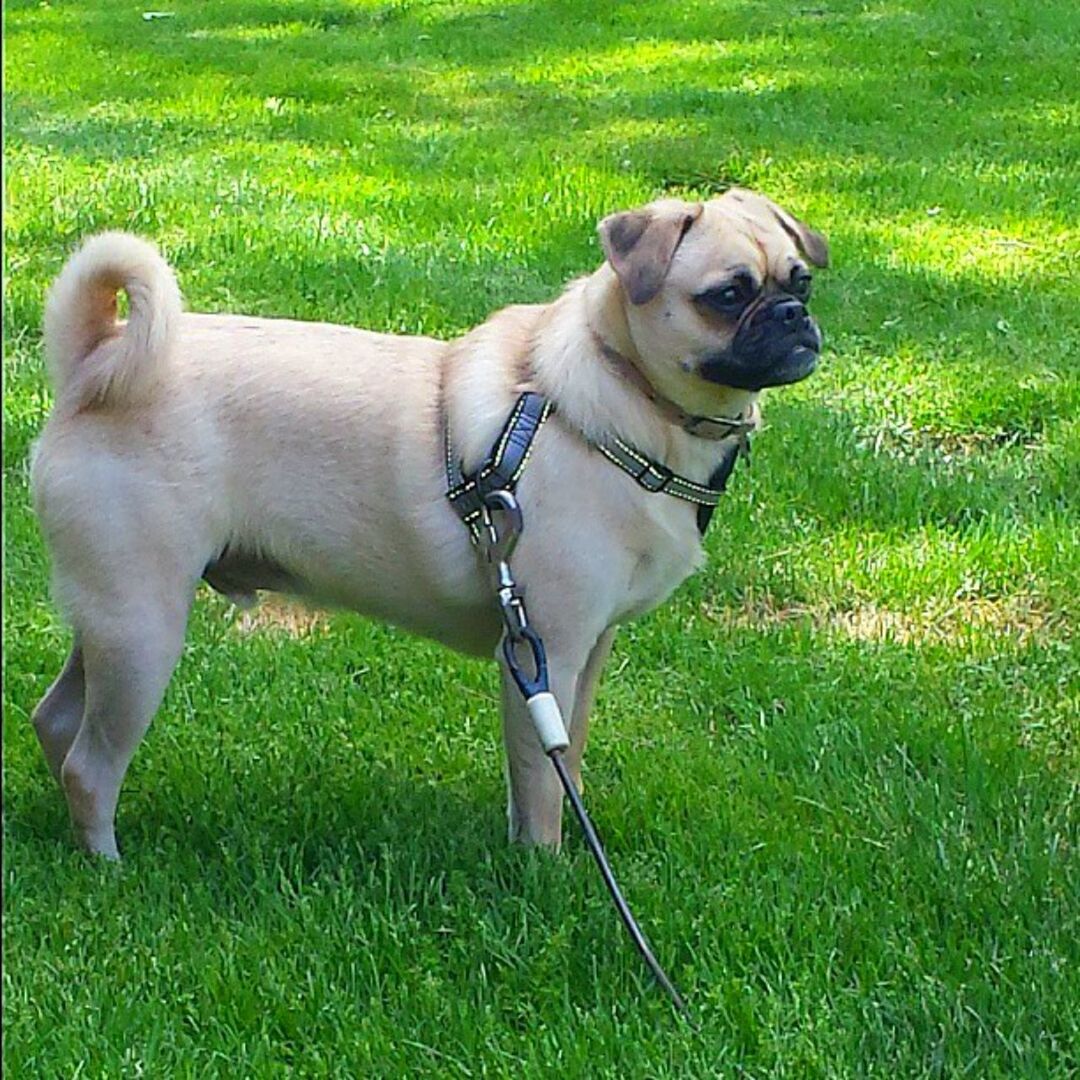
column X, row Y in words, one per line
column 825, row 463
column 317, row 822
column 216, row 789
column 753, row 857
column 479, row 76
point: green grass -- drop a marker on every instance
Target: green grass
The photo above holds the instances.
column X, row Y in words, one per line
column 837, row 774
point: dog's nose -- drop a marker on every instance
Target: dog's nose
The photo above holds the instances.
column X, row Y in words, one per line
column 790, row 311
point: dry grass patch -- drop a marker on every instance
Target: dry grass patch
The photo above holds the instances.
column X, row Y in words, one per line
column 280, row 614
column 905, row 441
column 1020, row 619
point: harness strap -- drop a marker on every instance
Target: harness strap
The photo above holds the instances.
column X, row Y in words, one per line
column 718, row 481
column 653, row 476
column 503, row 467
column 656, row 478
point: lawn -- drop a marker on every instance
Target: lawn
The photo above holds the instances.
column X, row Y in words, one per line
column 837, row 774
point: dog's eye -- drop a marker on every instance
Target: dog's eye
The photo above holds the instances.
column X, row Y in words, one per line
column 726, row 298
column 800, row 284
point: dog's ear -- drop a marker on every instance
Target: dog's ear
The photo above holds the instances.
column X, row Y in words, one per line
column 812, row 244
column 640, row 244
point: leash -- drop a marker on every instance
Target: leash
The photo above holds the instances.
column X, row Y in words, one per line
column 523, row 650
column 487, row 504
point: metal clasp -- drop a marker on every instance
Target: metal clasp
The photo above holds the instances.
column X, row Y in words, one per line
column 501, row 524
column 717, row 427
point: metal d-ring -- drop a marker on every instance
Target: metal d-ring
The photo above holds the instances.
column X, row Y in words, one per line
column 501, row 541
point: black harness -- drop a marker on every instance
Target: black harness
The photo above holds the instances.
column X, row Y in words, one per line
column 502, row 468
column 504, row 464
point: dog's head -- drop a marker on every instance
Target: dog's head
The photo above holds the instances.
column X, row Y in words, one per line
column 716, row 292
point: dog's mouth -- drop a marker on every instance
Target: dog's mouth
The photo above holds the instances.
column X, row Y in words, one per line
column 797, row 365
column 777, row 343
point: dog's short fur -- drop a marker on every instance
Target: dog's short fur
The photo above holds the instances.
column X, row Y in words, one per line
column 304, row 457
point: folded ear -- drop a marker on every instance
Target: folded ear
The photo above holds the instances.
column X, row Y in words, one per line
column 812, row 244
column 640, row 244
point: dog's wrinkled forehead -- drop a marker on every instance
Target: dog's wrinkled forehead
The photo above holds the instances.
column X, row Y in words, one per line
column 681, row 241
column 744, row 229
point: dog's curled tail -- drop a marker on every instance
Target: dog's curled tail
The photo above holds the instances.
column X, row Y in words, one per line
column 81, row 316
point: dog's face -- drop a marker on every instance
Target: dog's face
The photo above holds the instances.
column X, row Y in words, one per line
column 715, row 293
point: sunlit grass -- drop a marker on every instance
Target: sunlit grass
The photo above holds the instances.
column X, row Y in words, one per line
column 837, row 773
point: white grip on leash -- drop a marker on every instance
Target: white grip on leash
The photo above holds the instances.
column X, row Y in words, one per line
column 547, row 719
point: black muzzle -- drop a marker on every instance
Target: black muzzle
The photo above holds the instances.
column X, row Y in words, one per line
column 776, row 342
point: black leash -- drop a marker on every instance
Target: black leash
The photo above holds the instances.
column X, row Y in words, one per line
column 621, row 905
column 502, row 522
column 486, row 503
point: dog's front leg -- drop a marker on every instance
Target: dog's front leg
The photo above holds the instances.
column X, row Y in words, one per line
column 534, row 793
column 584, row 697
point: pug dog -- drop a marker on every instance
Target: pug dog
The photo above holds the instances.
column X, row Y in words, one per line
column 271, row 454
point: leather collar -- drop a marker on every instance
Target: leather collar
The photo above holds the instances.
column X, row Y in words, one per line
column 713, row 428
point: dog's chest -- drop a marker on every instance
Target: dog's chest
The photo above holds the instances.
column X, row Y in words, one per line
column 664, row 557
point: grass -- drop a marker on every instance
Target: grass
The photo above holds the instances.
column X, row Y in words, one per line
column 837, row 774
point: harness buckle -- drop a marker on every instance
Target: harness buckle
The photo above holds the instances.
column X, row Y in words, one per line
column 718, row 427
column 654, row 477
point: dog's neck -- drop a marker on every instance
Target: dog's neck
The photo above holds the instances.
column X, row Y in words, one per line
column 595, row 396
column 701, row 427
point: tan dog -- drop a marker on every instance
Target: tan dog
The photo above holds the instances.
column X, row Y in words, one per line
column 270, row 454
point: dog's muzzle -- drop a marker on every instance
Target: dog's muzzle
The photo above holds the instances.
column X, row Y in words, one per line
column 776, row 342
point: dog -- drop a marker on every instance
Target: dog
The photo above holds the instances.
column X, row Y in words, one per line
column 269, row 454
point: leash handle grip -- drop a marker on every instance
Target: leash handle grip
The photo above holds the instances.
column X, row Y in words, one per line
column 547, row 719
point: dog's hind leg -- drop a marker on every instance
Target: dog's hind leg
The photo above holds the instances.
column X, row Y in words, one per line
column 127, row 663
column 58, row 715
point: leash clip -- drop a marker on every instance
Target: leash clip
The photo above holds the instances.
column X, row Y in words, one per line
column 501, row 523
column 499, row 538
